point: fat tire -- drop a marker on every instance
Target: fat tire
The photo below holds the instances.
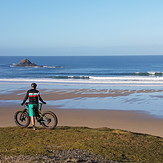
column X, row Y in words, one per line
column 19, row 122
column 54, row 120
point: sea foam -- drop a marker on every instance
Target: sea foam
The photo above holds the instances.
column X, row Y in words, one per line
column 124, row 80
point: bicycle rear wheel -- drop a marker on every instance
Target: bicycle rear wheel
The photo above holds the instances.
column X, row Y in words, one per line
column 22, row 119
column 50, row 120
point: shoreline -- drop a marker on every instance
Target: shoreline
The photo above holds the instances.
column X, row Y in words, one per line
column 148, row 100
column 59, row 94
column 131, row 120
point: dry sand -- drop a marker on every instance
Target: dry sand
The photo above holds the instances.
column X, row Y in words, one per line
column 127, row 120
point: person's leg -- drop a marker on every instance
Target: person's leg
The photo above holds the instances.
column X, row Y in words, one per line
column 33, row 121
column 31, row 114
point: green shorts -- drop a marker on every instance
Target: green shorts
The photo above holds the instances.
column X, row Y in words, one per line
column 31, row 108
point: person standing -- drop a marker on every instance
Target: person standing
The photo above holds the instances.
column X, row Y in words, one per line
column 33, row 95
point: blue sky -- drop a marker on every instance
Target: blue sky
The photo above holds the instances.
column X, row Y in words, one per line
column 81, row 27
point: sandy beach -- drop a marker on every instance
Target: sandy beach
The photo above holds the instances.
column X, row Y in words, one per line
column 126, row 120
column 135, row 121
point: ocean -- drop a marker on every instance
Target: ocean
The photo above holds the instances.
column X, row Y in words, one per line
column 125, row 70
column 90, row 72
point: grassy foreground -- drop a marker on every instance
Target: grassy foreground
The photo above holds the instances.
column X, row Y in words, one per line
column 115, row 145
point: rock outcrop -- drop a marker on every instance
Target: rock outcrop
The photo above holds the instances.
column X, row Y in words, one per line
column 27, row 63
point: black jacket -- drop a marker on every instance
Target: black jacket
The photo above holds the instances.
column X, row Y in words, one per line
column 34, row 97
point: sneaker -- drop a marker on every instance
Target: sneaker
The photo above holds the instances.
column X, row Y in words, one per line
column 34, row 128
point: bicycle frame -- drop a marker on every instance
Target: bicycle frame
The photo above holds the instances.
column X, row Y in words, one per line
column 38, row 115
column 47, row 119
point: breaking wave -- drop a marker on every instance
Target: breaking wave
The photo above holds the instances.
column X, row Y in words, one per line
column 123, row 80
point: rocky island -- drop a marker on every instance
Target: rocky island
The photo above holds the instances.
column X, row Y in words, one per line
column 27, row 63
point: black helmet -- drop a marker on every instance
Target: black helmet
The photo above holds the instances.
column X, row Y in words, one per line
column 34, row 85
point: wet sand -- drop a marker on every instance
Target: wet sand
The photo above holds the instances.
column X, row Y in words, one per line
column 134, row 121
column 59, row 94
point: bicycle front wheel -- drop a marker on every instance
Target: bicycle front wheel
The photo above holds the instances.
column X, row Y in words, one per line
column 22, row 119
column 50, row 120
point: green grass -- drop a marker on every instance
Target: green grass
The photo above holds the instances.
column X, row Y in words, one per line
column 116, row 145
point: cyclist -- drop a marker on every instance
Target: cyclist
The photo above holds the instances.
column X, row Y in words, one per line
column 34, row 96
